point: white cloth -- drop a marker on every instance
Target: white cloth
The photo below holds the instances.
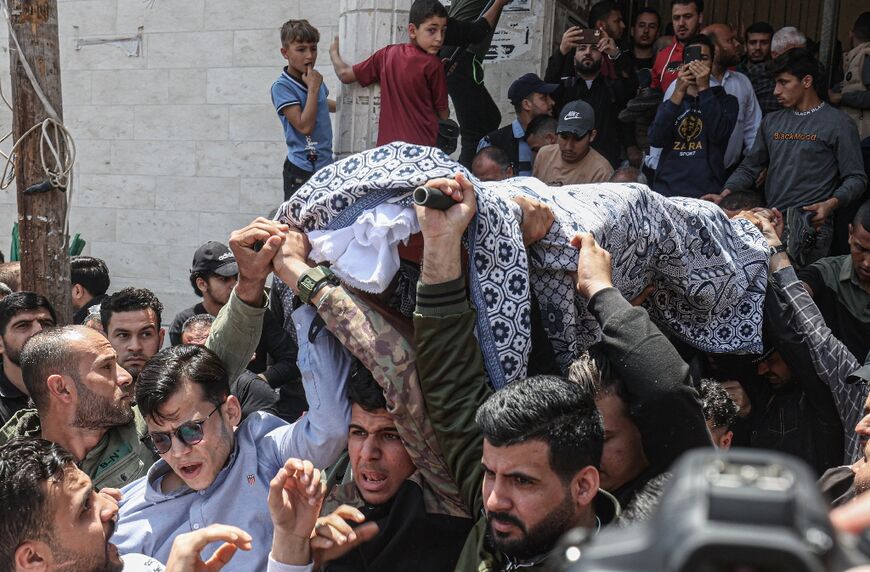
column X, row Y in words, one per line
column 366, row 253
column 140, row 563
column 275, row 566
column 748, row 119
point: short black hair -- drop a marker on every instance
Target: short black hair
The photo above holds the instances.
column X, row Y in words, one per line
column 26, row 465
column 647, row 10
column 197, row 320
column 861, row 29
column 164, row 375
column 719, row 409
column 550, row 409
column 18, row 302
column 742, row 201
column 541, row 124
column 600, row 11
column 91, row 273
column 129, row 300
column 862, row 216
column 422, row 10
column 760, row 28
column 699, row 4
column 594, row 373
column 700, row 40
column 46, row 353
column 363, row 390
column 798, row 62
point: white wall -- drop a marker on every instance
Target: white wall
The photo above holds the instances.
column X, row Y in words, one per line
column 181, row 145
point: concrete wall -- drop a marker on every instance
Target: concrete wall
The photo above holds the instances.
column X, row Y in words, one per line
column 179, row 144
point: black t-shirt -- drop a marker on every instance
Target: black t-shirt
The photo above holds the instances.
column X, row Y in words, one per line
column 12, row 399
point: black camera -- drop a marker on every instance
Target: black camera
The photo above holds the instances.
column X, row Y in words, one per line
column 723, row 511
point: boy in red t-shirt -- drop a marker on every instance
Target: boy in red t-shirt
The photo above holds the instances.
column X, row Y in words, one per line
column 412, row 78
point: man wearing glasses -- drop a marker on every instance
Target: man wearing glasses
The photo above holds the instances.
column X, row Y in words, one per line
column 213, row 467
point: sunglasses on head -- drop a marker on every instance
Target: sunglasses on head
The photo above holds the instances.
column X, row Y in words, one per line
column 189, row 433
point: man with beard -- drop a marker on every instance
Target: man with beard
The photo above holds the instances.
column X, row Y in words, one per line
column 687, row 17
column 571, row 160
column 131, row 320
column 83, row 402
column 607, row 94
column 51, row 519
column 22, row 314
column 527, row 456
column 758, row 40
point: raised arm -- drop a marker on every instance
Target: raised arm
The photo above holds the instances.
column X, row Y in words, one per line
column 657, row 383
column 236, row 330
column 343, row 70
column 449, row 361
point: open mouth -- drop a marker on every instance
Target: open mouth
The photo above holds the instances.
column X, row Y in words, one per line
column 190, row 471
column 373, row 481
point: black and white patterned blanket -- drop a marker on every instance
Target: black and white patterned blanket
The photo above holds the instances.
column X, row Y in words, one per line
column 710, row 272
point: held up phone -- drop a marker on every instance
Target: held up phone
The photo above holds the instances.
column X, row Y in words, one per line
column 590, row 36
column 692, row 54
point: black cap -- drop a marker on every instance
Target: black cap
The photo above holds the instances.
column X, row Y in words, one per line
column 528, row 84
column 576, row 118
column 214, row 258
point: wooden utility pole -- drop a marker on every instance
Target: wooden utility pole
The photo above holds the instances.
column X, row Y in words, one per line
column 41, row 216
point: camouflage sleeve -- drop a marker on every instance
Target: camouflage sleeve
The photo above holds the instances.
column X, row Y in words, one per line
column 390, row 357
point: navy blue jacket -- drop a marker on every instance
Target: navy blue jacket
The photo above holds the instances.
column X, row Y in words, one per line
column 693, row 137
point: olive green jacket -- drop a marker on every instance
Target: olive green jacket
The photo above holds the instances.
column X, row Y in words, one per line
column 118, row 459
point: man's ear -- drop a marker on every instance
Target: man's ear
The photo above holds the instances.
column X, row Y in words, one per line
column 161, row 333
column 807, row 81
column 585, row 485
column 202, row 284
column 32, row 556
column 283, row 52
column 59, row 387
column 592, row 135
column 233, row 410
column 726, row 439
column 77, row 291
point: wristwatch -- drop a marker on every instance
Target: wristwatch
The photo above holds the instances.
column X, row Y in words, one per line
column 774, row 250
column 311, row 281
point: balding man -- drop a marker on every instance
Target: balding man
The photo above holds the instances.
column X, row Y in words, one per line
column 492, row 164
column 83, row 402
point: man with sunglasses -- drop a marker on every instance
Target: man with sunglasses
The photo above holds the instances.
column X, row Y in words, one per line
column 83, row 402
column 213, row 467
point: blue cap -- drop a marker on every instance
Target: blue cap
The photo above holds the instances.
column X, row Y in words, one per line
column 527, row 85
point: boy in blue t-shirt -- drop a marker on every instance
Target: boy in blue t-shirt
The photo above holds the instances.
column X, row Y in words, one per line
column 307, row 129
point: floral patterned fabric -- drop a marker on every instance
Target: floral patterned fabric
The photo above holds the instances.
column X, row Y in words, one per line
column 710, row 272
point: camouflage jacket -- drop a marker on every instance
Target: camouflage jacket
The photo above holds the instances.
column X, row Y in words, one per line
column 391, row 358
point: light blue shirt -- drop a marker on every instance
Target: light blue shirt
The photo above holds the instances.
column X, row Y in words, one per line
column 525, row 151
column 748, row 118
column 149, row 520
column 288, row 91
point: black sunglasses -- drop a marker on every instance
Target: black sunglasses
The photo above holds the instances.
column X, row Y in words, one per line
column 189, row 433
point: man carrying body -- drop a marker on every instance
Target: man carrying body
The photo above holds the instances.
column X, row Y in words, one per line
column 22, row 314
column 83, row 402
column 213, row 275
column 530, row 460
column 212, row 467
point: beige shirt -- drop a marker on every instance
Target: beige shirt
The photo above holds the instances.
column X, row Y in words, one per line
column 552, row 170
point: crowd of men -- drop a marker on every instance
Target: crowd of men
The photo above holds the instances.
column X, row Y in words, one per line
column 336, row 433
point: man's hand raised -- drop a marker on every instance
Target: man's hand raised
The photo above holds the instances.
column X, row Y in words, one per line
column 593, row 266
column 254, row 248
column 443, row 230
column 295, row 496
column 186, row 549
